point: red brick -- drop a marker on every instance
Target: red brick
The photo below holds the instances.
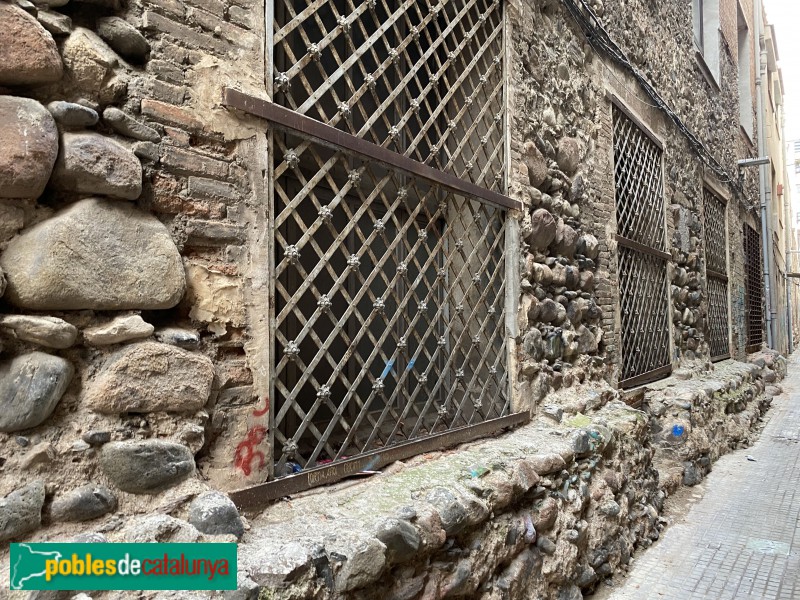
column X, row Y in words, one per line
column 167, row 198
column 187, row 162
column 186, row 35
column 212, row 189
column 178, row 136
column 170, row 114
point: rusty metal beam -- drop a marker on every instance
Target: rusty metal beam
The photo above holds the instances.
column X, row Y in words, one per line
column 717, row 275
column 628, row 243
column 286, row 119
column 256, row 497
column 648, row 377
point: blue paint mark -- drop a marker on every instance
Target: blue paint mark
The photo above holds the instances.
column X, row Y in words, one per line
column 388, row 369
column 410, row 364
column 677, row 430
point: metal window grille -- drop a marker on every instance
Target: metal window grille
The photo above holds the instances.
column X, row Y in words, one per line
column 419, row 77
column 718, row 318
column 390, row 309
column 644, row 306
column 716, row 275
column 389, row 230
column 754, row 298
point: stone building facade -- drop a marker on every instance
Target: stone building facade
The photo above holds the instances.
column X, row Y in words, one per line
column 203, row 288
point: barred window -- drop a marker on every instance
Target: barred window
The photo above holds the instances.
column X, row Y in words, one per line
column 389, row 230
column 753, row 287
column 422, row 78
column 716, row 242
column 644, row 305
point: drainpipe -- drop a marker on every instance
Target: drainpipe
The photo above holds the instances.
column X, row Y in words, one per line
column 788, row 254
column 764, row 186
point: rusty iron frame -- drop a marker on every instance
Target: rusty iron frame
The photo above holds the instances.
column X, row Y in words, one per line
column 715, row 239
column 642, row 257
column 288, row 120
column 648, row 377
column 625, row 242
column 754, row 293
column 254, row 497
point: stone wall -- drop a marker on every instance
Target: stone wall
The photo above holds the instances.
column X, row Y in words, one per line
column 134, row 327
column 131, row 221
column 561, row 98
column 548, row 511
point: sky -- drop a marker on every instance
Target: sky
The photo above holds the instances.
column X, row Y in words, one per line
column 785, row 15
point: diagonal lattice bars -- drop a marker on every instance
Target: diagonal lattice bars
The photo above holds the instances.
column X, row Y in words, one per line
column 644, row 307
column 638, row 179
column 718, row 318
column 753, row 282
column 389, row 307
column 419, row 77
column 644, row 310
column 717, row 267
column 715, row 236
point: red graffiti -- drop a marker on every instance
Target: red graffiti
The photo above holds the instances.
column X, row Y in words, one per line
column 262, row 411
column 245, row 452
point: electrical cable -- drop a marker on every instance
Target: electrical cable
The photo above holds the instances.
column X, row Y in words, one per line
column 601, row 40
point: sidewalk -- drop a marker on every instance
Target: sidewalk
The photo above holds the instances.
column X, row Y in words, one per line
column 739, row 541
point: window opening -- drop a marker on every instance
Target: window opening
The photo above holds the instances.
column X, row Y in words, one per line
column 754, row 298
column 644, row 307
column 716, row 243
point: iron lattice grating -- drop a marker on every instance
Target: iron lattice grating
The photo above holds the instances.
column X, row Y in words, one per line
column 643, row 310
column 716, row 245
column 389, row 307
column 644, row 307
column 421, row 78
column 718, row 322
column 754, row 298
column 715, row 233
column 638, row 179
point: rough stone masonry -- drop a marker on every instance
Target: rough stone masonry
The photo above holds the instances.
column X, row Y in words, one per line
column 134, row 335
column 127, row 216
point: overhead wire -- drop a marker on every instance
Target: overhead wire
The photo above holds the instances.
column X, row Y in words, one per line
column 601, row 40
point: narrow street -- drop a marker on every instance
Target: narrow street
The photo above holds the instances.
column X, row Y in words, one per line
column 739, row 541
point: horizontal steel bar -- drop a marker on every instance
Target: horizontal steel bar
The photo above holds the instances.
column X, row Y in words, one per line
column 717, row 275
column 285, row 118
column 639, row 247
column 721, row 357
column 257, row 496
column 648, row 377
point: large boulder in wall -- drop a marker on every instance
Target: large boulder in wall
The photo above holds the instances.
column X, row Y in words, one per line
column 28, row 53
column 91, row 163
column 97, row 255
column 28, row 146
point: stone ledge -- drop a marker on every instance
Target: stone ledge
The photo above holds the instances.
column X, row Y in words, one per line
column 433, row 504
column 567, row 503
